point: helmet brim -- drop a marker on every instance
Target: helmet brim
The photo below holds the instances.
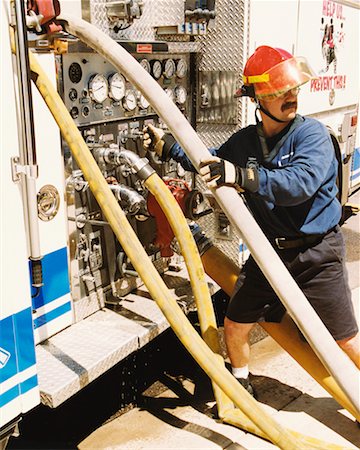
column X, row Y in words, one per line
column 283, row 77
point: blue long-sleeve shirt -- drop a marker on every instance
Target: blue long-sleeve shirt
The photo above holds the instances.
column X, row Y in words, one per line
column 297, row 181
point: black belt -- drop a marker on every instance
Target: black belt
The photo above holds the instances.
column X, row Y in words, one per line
column 285, row 243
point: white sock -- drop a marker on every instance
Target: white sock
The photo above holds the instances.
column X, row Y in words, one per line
column 240, row 372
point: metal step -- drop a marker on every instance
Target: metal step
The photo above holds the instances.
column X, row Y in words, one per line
column 73, row 358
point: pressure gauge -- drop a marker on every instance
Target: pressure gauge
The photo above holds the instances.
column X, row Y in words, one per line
column 75, row 72
column 156, row 69
column 129, row 100
column 181, row 68
column 144, row 63
column 180, row 95
column 170, row 93
column 143, row 103
column 98, row 88
column 116, row 86
column 169, row 68
column 73, row 95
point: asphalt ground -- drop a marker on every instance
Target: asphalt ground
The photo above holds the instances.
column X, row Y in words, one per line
column 160, row 399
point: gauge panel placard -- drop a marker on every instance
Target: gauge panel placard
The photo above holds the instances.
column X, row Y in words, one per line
column 94, row 91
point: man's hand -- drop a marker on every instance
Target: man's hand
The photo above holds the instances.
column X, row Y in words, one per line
column 155, row 139
column 217, row 172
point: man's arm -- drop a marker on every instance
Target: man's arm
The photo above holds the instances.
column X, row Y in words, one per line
column 166, row 147
column 307, row 170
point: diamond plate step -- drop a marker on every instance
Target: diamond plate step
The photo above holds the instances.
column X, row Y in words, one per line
column 73, row 358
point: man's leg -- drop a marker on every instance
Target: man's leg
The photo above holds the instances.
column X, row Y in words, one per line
column 237, row 342
column 351, row 347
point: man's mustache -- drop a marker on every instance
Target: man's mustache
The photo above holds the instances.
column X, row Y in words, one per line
column 288, row 105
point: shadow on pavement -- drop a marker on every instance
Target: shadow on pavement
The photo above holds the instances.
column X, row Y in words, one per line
column 269, row 391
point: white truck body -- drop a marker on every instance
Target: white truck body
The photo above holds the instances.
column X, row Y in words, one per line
column 55, row 341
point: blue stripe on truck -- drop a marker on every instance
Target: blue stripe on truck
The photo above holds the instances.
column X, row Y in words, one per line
column 55, row 278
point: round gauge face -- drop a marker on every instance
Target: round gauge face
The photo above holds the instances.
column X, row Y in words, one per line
column 116, row 86
column 143, row 103
column 170, row 93
column 169, row 68
column 74, row 112
column 144, row 63
column 75, row 72
column 180, row 95
column 98, row 88
column 129, row 100
column 181, row 68
column 156, row 69
column 85, row 111
column 73, row 95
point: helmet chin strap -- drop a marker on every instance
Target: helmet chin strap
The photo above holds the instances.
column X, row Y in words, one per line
column 260, row 130
column 265, row 111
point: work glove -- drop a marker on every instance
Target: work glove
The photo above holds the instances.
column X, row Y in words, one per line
column 218, row 172
column 155, row 139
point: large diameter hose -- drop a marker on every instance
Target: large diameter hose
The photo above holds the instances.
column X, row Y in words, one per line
column 154, row 283
column 196, row 273
column 333, row 358
column 285, row 333
column 255, row 419
column 227, row 276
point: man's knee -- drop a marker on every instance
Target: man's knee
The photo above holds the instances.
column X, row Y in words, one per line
column 232, row 327
column 351, row 346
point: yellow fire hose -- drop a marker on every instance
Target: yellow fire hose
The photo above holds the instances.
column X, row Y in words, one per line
column 129, row 241
column 286, row 333
column 212, row 260
column 136, row 253
column 196, row 273
column 323, row 344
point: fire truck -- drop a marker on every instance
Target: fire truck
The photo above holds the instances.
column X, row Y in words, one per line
column 72, row 300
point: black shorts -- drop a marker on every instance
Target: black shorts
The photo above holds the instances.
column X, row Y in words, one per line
column 321, row 274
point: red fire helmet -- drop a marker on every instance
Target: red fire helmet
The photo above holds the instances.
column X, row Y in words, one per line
column 273, row 71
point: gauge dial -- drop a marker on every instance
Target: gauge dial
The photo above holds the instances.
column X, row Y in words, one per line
column 85, row 111
column 75, row 72
column 144, row 63
column 74, row 112
column 181, row 68
column 73, row 95
column 129, row 100
column 180, row 95
column 169, row 68
column 98, row 88
column 143, row 103
column 156, row 68
column 116, row 86
column 170, row 93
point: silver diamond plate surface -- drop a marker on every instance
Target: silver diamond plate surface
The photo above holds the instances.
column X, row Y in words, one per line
column 222, row 49
column 79, row 354
column 88, row 305
column 155, row 13
column 73, row 358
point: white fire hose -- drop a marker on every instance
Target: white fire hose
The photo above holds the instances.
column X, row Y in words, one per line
column 333, row 358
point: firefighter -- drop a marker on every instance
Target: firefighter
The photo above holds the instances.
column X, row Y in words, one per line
column 286, row 169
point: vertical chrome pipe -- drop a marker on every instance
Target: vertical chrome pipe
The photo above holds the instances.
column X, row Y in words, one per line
column 27, row 160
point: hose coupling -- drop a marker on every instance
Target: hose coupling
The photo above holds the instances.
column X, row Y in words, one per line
column 130, row 200
column 140, row 166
